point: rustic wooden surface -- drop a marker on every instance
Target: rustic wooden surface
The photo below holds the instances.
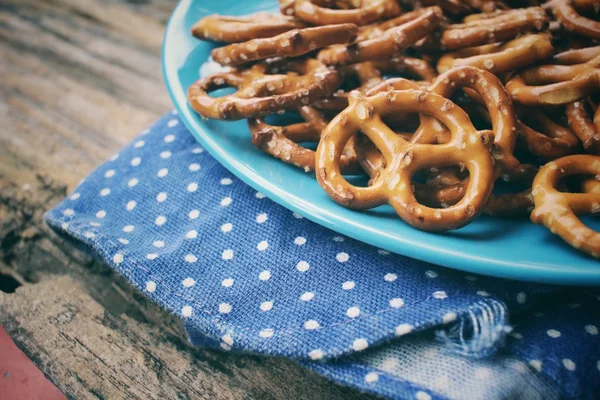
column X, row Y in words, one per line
column 78, row 79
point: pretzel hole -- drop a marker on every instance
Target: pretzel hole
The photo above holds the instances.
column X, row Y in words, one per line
column 434, row 191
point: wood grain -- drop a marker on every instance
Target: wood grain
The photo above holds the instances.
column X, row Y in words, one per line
column 79, row 79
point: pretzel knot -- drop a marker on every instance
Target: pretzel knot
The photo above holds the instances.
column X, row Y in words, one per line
column 221, row 28
column 367, row 11
column 558, row 210
column 293, row 43
column 260, row 93
column 404, row 159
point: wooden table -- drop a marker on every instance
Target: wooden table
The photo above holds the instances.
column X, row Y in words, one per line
column 78, row 80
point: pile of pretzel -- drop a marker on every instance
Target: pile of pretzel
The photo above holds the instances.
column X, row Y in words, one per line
column 496, row 110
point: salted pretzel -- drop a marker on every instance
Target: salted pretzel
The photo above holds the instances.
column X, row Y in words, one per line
column 500, row 58
column 586, row 128
column 321, row 12
column 260, row 93
column 222, row 28
column 558, row 211
column 404, row 159
column 414, row 26
column 293, row 43
column 556, row 84
column 543, row 137
column 282, row 142
column 572, row 20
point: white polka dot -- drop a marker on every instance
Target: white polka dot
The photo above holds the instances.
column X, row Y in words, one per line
column 158, row 244
column 161, row 197
column 89, row 235
column 516, row 335
column 311, row 324
column 130, row 205
column 519, row 366
column 360, row 344
column 224, row 308
column 110, row 173
column 227, row 254
column 266, row 305
column 396, row 303
column 118, row 258
column 262, row 246
column 553, row 333
column 226, row 227
column 194, row 167
column 353, row 312
column 483, row 373
column 440, row 295
column 187, row 311
column 194, row 214
column 226, row 181
column 113, row 158
column 383, row 252
column 302, row 266
column 591, row 329
column 123, row 241
column 105, row 192
column 132, row 182
column 101, row 214
column 192, row 187
column 165, row 154
column 403, row 329
column 191, row 234
column 521, row 298
column 169, row 138
column 190, row 258
column 297, row 216
column 266, row 333
column 172, row 123
column 261, row 218
column 145, row 132
column 371, row 377
column 598, row 365
column 449, row 317
column 128, row 228
column 259, row 195
column 136, row 161
column 151, row 256
column 483, row 293
column 338, row 239
column 300, row 240
column 431, row 274
column 390, row 277
column 94, row 223
column 226, row 201
column 569, row 364
column 307, row 296
column 139, row 143
column 188, row 282
column 227, row 339
column 160, row 220
column 536, row 364
column 75, row 196
column 316, row 354
column 342, row 257
column 162, row 172
column 264, row 275
column 348, row 285
column 64, row 225
column 422, row 396
column 150, row 286
column 228, row 282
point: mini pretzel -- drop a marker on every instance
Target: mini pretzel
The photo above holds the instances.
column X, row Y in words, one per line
column 403, row 159
column 416, row 25
column 586, row 129
column 221, row 28
column 500, row 58
column 282, row 141
column 558, row 210
column 550, row 140
column 555, row 84
column 572, row 21
column 367, row 11
column 293, row 43
column 260, row 93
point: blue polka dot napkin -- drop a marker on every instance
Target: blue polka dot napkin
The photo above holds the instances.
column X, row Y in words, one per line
column 248, row 275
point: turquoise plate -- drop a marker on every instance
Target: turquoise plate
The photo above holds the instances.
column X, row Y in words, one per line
column 507, row 248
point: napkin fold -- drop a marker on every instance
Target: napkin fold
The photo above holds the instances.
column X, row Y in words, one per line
column 247, row 274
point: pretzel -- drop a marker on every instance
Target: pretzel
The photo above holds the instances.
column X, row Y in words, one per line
column 558, row 210
column 550, row 140
column 587, row 131
column 451, row 6
column 260, row 93
column 403, row 159
column 282, row 141
column 555, row 84
column 572, row 21
column 366, row 11
column 293, row 43
column 415, row 25
column 221, row 28
column 500, row 58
